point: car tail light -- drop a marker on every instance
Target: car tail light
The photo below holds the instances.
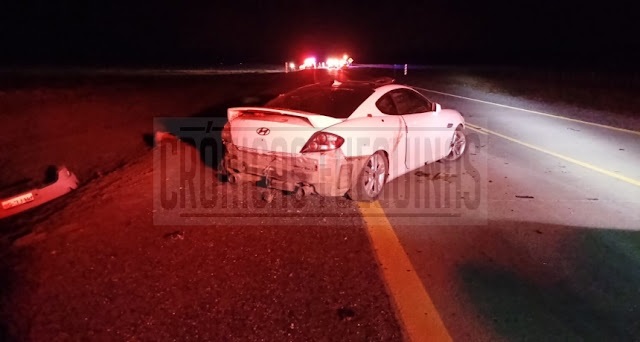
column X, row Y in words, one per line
column 322, row 141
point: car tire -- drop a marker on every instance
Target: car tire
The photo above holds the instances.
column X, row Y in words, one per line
column 458, row 145
column 371, row 180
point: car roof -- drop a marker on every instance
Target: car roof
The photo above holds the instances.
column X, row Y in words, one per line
column 354, row 84
column 389, row 87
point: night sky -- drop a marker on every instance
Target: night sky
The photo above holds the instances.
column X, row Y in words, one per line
column 210, row 32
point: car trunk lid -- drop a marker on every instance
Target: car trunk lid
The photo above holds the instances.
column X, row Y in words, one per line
column 274, row 130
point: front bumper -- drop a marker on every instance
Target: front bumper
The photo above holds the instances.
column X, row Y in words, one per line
column 328, row 173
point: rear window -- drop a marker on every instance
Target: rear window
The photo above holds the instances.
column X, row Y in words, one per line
column 337, row 102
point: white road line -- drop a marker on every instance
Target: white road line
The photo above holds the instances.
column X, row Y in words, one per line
column 533, row 111
column 566, row 158
column 476, row 128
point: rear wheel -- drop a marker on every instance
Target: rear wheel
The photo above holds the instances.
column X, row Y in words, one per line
column 458, row 145
column 371, row 180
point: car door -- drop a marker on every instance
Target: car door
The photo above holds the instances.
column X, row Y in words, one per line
column 394, row 129
column 424, row 136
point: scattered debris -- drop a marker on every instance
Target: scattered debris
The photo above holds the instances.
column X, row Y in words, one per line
column 438, row 175
column 176, row 235
column 621, row 149
column 538, row 231
column 592, row 199
column 267, row 196
column 523, row 196
column 346, row 314
column 573, row 129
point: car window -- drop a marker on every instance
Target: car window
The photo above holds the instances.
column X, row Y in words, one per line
column 410, row 102
column 337, row 102
column 385, row 105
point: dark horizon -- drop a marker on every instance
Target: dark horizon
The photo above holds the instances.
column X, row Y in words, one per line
column 205, row 34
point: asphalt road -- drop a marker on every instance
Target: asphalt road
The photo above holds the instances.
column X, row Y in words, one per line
column 557, row 256
column 531, row 236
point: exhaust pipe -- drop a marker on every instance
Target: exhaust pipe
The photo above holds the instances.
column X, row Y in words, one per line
column 235, row 178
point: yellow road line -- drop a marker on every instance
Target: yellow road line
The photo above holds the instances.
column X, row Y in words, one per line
column 476, row 128
column 565, row 158
column 419, row 316
column 533, row 112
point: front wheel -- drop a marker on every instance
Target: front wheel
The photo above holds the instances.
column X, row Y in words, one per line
column 371, row 179
column 458, row 145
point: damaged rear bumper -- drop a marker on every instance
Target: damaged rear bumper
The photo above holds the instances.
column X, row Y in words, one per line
column 64, row 182
column 328, row 173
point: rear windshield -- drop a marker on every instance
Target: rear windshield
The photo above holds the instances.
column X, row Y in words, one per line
column 337, row 102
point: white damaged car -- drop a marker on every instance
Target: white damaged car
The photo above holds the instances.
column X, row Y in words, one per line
column 339, row 138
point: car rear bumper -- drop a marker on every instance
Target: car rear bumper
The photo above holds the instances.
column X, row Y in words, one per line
column 329, row 173
column 65, row 182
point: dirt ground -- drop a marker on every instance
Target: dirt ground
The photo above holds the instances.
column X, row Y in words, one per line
column 95, row 265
